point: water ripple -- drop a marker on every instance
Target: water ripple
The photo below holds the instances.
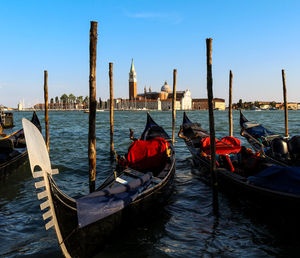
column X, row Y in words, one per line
column 185, row 227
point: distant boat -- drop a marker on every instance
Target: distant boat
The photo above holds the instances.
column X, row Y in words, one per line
column 6, row 119
column 273, row 108
column 13, row 151
column 98, row 110
column 255, row 108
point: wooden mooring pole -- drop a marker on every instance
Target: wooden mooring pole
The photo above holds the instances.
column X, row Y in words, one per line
column 93, row 103
column 111, row 110
column 174, row 105
column 214, row 182
column 230, row 105
column 285, row 105
column 46, row 108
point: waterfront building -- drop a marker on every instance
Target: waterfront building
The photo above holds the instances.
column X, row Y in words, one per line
column 291, row 105
column 20, row 106
column 158, row 100
column 202, row 104
column 162, row 100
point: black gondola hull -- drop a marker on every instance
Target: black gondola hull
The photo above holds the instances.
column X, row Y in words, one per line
column 239, row 187
column 87, row 241
column 13, row 164
column 16, row 158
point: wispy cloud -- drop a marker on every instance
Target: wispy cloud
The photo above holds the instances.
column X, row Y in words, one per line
column 172, row 17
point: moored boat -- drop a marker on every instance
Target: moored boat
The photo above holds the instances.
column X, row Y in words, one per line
column 6, row 119
column 278, row 149
column 13, row 151
column 84, row 225
column 244, row 173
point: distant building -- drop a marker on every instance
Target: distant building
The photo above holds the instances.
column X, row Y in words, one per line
column 20, row 106
column 161, row 100
column 202, row 104
column 132, row 82
column 291, row 106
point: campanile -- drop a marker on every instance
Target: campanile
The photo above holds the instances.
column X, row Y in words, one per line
column 132, row 82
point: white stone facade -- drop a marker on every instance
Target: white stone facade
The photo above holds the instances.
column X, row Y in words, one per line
column 186, row 101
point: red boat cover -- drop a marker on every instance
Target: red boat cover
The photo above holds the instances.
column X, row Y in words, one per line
column 226, row 145
column 147, row 154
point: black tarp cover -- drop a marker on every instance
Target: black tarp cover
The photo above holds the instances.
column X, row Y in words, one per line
column 283, row 179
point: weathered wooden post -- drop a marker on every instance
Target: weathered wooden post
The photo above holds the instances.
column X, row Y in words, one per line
column 46, row 108
column 285, row 104
column 211, row 122
column 230, row 105
column 111, row 110
column 93, row 103
column 174, row 105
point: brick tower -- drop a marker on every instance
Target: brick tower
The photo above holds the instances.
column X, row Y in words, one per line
column 132, row 82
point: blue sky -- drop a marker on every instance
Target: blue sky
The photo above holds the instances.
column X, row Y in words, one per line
column 255, row 39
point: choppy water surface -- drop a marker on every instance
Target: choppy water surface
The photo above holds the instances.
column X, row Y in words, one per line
column 187, row 226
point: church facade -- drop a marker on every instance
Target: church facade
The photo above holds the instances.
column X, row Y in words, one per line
column 160, row 100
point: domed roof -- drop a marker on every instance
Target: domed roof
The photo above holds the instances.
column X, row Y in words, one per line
column 166, row 88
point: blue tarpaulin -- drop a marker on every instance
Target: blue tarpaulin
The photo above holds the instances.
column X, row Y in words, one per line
column 101, row 204
column 259, row 131
column 283, row 179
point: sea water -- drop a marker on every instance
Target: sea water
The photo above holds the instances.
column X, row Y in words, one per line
column 185, row 227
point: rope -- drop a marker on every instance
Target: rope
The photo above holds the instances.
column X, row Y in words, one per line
column 68, row 236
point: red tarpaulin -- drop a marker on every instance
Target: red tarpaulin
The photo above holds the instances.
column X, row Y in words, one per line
column 226, row 145
column 147, row 154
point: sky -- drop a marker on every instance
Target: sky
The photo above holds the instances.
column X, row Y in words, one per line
column 255, row 39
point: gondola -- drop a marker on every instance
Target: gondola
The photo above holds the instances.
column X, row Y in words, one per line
column 83, row 226
column 278, row 149
column 244, row 173
column 6, row 119
column 13, row 151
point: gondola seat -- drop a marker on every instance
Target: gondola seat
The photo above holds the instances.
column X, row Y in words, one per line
column 279, row 148
column 294, row 147
column 101, row 204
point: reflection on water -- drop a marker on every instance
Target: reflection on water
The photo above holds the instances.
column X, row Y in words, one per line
column 186, row 227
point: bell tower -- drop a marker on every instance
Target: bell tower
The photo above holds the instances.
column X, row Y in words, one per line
column 132, row 82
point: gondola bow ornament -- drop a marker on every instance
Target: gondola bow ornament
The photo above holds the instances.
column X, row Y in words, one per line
column 39, row 160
